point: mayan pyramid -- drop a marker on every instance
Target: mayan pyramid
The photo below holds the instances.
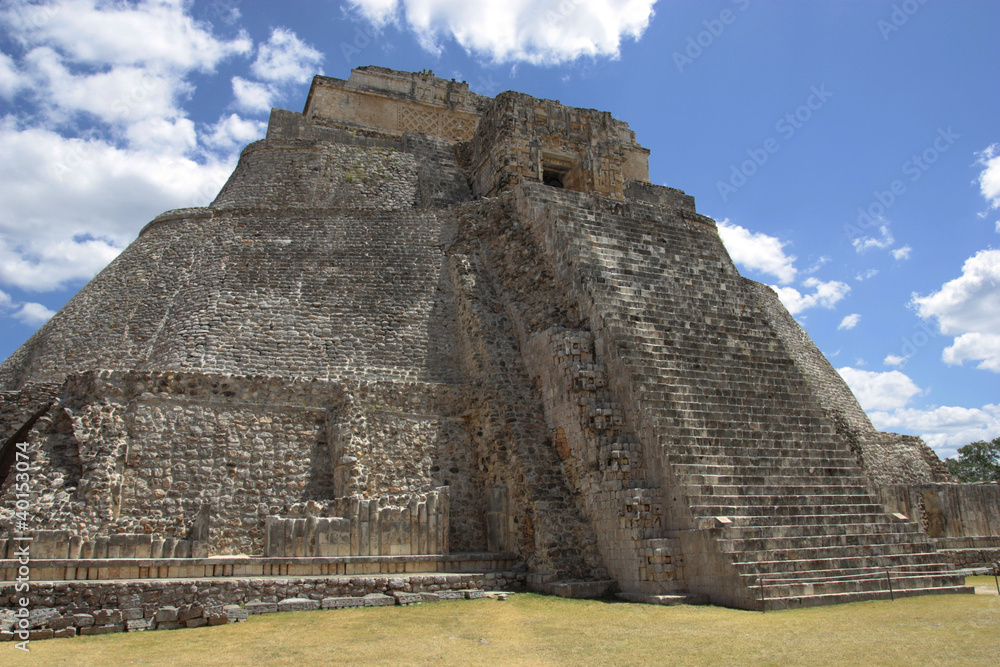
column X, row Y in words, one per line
column 422, row 322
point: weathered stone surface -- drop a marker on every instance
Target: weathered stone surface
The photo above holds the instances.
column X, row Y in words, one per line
column 165, row 614
column 234, row 613
column 417, row 321
column 378, row 600
column 261, row 607
column 342, row 602
column 298, row 604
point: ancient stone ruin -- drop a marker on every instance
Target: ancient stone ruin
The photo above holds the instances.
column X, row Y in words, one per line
column 425, row 331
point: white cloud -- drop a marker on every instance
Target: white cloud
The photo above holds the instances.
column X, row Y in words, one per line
column 975, row 346
column 969, row 308
column 150, row 33
column 890, row 390
column 33, row 314
column 884, row 240
column 253, row 96
column 757, row 251
column 10, row 77
column 116, row 75
column 894, row 360
column 534, row 31
column 944, row 428
column 902, row 253
column 989, row 179
column 286, row 58
column 105, row 195
column 233, row 132
column 849, row 322
column 825, row 294
column 870, row 273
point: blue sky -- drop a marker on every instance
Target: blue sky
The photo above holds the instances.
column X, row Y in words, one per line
column 849, row 150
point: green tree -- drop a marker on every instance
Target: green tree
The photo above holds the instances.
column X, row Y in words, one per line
column 977, row 462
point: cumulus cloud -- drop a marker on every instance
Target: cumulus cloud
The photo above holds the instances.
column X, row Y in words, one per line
column 33, row 314
column 253, row 96
column 969, row 308
column 534, row 31
column 286, row 58
column 232, row 131
column 150, row 32
column 880, row 242
column 870, row 273
column 10, row 77
column 825, row 294
column 894, row 360
column 849, row 322
column 944, row 428
column 890, row 390
column 99, row 143
column 902, row 253
column 989, row 178
column 758, row 251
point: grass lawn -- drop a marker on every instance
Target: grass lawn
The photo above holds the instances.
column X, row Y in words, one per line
column 532, row 629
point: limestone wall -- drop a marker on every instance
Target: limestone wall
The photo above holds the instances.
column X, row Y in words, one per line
column 396, row 102
column 947, row 510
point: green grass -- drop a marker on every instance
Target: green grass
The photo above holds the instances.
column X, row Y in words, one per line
column 538, row 630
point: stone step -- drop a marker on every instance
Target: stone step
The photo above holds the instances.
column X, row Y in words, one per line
column 833, row 518
column 836, row 563
column 685, row 471
column 836, row 551
column 783, row 500
column 876, row 581
column 881, row 526
column 734, row 511
column 705, row 491
column 824, row 540
column 759, row 478
column 802, row 601
column 755, row 454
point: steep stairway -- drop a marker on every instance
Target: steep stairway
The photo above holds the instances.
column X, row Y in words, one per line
column 734, row 425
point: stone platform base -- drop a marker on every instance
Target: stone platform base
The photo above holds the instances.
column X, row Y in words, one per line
column 100, row 569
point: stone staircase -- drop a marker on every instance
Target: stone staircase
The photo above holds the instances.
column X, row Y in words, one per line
column 740, row 437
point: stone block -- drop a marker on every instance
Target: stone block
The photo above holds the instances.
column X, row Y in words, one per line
column 451, row 595
column 61, row 622
column 138, row 624
column 132, row 614
column 64, row 633
column 107, row 616
column 379, row 600
column 217, row 619
column 261, row 607
column 39, row 618
column 235, row 613
column 190, row 611
column 407, row 598
column 166, row 614
column 83, row 620
column 342, row 602
column 46, row 633
column 298, row 604
column 6, row 636
column 430, row 597
column 196, row 622
column 473, row 594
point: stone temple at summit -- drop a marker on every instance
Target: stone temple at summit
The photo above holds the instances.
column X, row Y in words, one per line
column 425, row 330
